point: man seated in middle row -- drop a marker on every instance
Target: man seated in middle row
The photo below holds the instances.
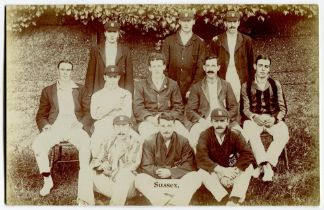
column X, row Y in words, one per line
column 167, row 172
column 106, row 104
column 157, row 94
column 210, row 93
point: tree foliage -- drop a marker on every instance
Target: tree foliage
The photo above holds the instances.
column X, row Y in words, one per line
column 162, row 18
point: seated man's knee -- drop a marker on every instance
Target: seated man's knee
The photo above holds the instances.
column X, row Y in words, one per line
column 249, row 124
column 126, row 174
column 38, row 143
column 202, row 173
column 141, row 179
column 281, row 132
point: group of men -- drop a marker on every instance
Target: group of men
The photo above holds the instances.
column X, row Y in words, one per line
column 188, row 122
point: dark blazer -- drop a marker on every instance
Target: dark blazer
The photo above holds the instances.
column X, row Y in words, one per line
column 94, row 77
column 178, row 157
column 198, row 102
column 148, row 101
column 184, row 62
column 49, row 108
column 243, row 57
column 210, row 153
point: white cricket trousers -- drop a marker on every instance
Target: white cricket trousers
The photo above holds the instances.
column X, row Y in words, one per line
column 81, row 140
column 280, row 136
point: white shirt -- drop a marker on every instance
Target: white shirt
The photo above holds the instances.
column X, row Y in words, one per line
column 220, row 139
column 66, row 116
column 111, row 99
column 185, row 37
column 158, row 82
column 231, row 74
column 111, row 53
column 213, row 97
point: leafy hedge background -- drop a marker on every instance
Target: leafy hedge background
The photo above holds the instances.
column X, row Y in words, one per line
column 160, row 19
column 40, row 36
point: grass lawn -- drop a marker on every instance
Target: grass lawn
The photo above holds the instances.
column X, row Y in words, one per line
column 31, row 65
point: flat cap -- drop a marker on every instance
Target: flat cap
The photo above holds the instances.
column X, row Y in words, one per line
column 112, row 26
column 219, row 113
column 186, row 15
column 112, row 70
column 121, row 120
column 232, row 16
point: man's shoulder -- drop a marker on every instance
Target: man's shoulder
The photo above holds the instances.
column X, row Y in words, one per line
column 151, row 140
column 198, row 38
column 140, row 84
column 124, row 91
column 180, row 138
column 124, row 47
column 136, row 138
column 197, row 86
column 223, row 82
column 49, row 87
column 235, row 135
column 171, row 82
column 277, row 82
column 219, row 38
column 245, row 37
column 171, row 37
column 205, row 133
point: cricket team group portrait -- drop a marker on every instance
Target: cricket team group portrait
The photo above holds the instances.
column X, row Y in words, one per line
column 162, row 105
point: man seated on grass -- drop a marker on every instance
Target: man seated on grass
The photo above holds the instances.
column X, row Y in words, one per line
column 167, row 172
column 264, row 107
column 63, row 115
column 224, row 159
column 157, row 94
column 210, row 93
column 117, row 161
column 107, row 103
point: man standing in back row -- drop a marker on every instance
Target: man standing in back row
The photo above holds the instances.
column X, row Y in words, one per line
column 184, row 52
column 235, row 54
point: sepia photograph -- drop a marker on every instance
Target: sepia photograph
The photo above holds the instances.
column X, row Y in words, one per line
column 161, row 104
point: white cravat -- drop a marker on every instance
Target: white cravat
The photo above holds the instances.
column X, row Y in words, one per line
column 231, row 74
column 213, row 97
column 66, row 116
column 111, row 53
column 220, row 139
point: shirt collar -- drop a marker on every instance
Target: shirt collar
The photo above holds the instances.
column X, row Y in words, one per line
column 261, row 86
column 71, row 85
column 111, row 45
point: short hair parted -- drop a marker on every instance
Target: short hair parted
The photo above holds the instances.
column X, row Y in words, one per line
column 166, row 116
column 155, row 56
column 262, row 57
column 64, row 61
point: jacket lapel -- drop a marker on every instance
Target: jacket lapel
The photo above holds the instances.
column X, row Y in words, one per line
column 239, row 41
column 224, row 42
column 102, row 52
column 119, row 53
column 170, row 147
column 75, row 94
column 54, row 96
column 205, row 89
column 219, row 87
